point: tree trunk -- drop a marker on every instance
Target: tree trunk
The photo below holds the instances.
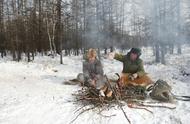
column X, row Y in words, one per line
column 163, row 52
column 157, row 51
column 179, row 51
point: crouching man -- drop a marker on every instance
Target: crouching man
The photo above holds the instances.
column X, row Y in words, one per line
column 93, row 75
column 133, row 72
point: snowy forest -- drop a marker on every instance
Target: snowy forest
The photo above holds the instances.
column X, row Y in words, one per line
column 94, row 61
column 40, row 26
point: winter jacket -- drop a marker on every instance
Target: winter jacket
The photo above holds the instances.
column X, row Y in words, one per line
column 92, row 70
column 131, row 66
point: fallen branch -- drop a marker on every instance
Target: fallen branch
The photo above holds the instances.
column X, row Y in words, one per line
column 137, row 107
column 117, row 99
column 82, row 112
column 157, row 106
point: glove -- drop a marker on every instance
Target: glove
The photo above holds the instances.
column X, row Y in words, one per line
column 101, row 93
column 133, row 76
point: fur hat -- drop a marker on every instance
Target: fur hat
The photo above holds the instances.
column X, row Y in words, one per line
column 136, row 51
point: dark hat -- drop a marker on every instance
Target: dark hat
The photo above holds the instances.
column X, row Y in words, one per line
column 136, row 51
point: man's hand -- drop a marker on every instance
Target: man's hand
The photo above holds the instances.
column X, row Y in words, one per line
column 133, row 76
column 92, row 82
column 111, row 55
column 121, row 84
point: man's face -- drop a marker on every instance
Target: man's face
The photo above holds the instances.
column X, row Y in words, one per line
column 133, row 56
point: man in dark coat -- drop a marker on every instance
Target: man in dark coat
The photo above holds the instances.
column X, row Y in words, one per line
column 133, row 69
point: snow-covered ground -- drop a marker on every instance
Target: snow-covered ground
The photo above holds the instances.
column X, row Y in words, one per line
column 34, row 93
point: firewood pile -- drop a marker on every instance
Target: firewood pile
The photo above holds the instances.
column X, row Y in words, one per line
column 89, row 99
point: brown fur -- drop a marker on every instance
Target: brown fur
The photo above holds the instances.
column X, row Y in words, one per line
column 140, row 81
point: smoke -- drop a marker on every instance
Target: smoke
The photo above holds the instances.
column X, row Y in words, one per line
column 96, row 33
column 164, row 20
